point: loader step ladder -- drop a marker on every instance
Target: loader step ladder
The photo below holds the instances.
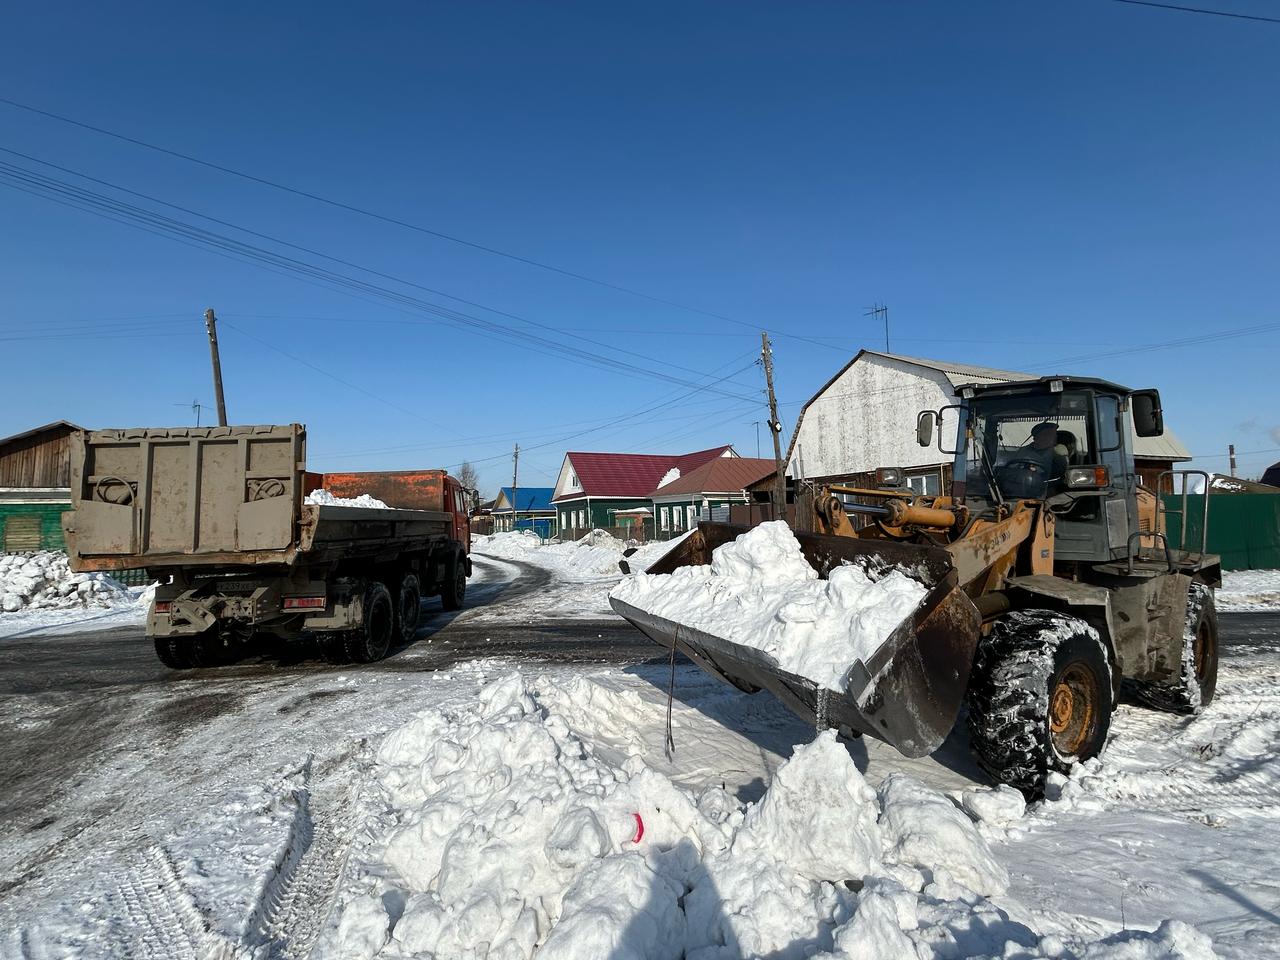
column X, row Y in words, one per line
column 1183, row 513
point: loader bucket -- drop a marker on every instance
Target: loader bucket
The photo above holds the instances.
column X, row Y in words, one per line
column 910, row 691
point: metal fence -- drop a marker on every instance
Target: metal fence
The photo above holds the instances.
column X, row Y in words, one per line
column 1244, row 528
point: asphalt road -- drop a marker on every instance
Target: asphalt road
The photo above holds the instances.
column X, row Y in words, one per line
column 123, row 657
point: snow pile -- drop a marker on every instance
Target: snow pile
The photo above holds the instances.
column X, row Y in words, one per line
column 1244, row 590
column 323, row 498
column 760, row 591
column 496, row 831
column 44, row 581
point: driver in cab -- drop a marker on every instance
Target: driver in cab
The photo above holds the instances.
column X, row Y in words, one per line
column 1041, row 450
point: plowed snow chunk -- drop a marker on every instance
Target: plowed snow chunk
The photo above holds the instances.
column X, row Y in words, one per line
column 44, row 581
column 759, row 591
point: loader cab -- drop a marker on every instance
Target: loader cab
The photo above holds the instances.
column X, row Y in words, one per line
column 1088, row 482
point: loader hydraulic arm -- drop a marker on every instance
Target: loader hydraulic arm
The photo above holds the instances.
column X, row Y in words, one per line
column 896, row 510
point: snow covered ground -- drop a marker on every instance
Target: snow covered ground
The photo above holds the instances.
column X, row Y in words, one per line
column 581, row 573
column 1249, row 590
column 353, row 813
column 39, row 592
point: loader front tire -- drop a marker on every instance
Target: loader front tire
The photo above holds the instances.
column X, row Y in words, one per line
column 1197, row 679
column 1040, row 697
column 372, row 641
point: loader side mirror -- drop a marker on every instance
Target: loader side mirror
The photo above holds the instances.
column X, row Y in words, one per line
column 1148, row 416
column 924, row 428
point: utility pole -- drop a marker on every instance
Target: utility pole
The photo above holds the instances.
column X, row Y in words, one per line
column 515, row 478
column 211, row 324
column 882, row 312
column 780, row 483
column 1231, row 452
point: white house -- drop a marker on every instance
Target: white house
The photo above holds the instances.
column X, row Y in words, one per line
column 865, row 417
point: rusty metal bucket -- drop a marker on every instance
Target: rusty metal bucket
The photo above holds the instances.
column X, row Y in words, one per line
column 908, row 694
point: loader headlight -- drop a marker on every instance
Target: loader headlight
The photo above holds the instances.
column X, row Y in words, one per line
column 1084, row 478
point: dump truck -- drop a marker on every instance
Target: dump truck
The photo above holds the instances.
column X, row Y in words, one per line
column 1052, row 586
column 220, row 517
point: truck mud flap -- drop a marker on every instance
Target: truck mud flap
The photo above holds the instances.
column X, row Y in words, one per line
column 910, row 691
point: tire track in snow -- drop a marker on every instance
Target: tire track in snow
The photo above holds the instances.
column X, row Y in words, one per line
column 298, row 900
column 163, row 921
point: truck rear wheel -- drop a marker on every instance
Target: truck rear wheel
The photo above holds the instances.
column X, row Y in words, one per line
column 408, row 608
column 175, row 652
column 373, row 640
column 1197, row 679
column 1039, row 697
column 454, row 590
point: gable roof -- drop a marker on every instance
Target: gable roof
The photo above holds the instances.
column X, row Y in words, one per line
column 529, row 498
column 1167, row 446
column 631, row 474
column 722, row 475
column 56, row 425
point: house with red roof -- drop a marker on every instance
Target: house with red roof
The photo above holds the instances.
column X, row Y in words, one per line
column 705, row 493
column 613, row 489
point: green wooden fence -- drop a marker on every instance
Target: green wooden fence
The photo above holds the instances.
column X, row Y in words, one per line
column 1244, row 528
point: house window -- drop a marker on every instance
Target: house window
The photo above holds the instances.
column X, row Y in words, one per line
column 926, row 485
column 666, row 518
column 677, row 518
column 582, row 518
column 692, row 513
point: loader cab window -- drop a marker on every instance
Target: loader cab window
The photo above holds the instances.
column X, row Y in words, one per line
column 1022, row 445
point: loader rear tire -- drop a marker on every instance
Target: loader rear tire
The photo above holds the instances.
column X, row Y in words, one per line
column 372, row 641
column 1040, row 697
column 1197, row 680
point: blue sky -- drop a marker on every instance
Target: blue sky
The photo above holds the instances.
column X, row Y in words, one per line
column 1021, row 183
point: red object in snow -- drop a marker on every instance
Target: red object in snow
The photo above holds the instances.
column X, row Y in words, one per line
column 639, row 829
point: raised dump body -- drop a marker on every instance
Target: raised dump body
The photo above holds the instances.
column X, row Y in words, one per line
column 219, row 516
column 909, row 692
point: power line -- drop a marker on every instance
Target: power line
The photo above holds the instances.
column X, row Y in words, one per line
column 1212, row 13
column 351, row 208
column 317, row 253
column 68, row 194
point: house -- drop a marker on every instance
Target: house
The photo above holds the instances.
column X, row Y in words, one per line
column 609, row 490
column 534, row 510
column 864, row 417
column 35, row 487
column 705, row 493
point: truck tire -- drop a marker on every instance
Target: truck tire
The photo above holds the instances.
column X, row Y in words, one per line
column 372, row 641
column 1040, row 697
column 1193, row 688
column 454, row 589
column 408, row 608
column 176, row 653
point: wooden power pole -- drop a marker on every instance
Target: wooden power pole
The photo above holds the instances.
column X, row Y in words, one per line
column 515, row 478
column 775, row 427
column 211, row 324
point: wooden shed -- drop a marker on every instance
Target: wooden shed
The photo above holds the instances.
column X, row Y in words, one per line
column 35, row 487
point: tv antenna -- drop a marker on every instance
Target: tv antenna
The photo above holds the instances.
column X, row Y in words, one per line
column 196, row 407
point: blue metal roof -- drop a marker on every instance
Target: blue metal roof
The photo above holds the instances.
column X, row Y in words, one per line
column 529, row 498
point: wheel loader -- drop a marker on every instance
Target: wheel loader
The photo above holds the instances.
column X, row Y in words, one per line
column 1052, row 586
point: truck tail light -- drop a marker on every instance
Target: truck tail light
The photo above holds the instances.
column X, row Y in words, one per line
column 304, row 603
column 163, row 606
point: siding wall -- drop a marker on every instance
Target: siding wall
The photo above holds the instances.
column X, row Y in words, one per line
column 43, row 460
column 20, row 521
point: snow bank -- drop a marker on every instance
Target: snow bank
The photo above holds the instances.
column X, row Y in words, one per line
column 1244, row 590
column 324, row 498
column 44, row 581
column 760, row 591
column 496, row 831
